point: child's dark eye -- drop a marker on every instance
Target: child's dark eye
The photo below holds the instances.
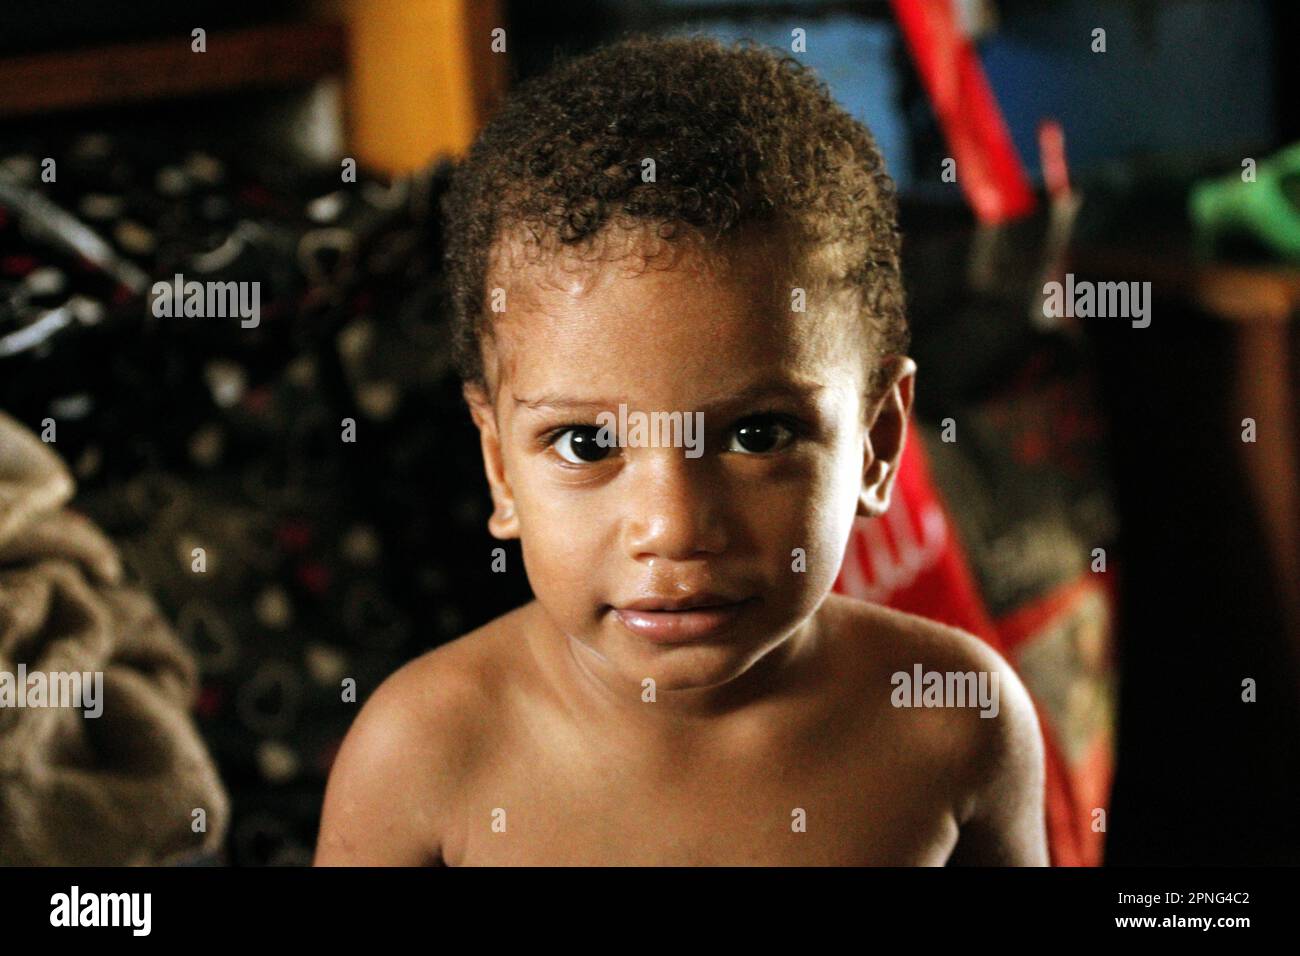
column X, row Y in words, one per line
column 578, row 445
column 761, row 434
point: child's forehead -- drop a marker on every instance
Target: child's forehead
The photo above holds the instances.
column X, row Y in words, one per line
column 658, row 357
column 673, row 303
column 527, row 381
column 696, row 310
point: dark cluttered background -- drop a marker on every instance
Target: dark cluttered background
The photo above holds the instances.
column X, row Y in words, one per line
column 327, row 560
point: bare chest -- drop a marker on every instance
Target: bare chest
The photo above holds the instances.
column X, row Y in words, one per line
column 783, row 804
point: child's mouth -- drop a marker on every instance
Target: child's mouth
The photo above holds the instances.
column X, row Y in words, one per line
column 661, row 623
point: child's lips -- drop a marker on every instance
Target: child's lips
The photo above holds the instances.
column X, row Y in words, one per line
column 679, row 626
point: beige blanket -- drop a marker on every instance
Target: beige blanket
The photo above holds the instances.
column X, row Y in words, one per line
column 122, row 788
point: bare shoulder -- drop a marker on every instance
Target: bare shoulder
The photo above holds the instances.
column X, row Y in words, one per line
column 955, row 701
column 877, row 637
column 395, row 785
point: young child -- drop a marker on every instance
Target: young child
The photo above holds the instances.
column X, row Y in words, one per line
column 699, row 234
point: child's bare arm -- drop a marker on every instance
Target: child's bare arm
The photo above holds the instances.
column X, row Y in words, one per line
column 383, row 804
column 1002, row 823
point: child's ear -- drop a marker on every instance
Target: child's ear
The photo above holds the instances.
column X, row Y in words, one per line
column 886, row 434
column 504, row 523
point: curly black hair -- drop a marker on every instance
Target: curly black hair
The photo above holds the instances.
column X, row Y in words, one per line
column 739, row 134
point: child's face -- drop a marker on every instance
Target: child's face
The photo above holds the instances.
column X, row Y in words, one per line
column 761, row 517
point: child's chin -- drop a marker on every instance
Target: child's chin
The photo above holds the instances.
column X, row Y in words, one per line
column 689, row 666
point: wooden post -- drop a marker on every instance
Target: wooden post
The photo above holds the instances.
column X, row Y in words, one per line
column 423, row 78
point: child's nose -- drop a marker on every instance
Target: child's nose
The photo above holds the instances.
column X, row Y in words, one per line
column 674, row 511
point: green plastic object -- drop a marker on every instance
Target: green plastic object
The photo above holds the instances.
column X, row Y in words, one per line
column 1266, row 210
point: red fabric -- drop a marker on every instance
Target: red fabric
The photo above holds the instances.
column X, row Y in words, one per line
column 988, row 168
column 911, row 560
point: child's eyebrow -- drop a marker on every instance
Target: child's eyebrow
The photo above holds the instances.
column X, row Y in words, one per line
column 779, row 389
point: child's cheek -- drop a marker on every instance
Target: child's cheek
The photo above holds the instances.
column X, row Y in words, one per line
column 808, row 532
column 560, row 541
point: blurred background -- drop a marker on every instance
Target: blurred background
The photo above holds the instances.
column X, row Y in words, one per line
column 1084, row 494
